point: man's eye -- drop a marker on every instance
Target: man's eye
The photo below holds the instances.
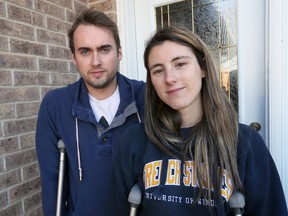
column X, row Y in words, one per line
column 105, row 50
column 84, row 52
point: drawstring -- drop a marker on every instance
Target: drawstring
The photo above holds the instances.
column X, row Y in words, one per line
column 139, row 119
column 78, row 151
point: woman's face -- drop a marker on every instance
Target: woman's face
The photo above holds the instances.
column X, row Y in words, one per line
column 177, row 77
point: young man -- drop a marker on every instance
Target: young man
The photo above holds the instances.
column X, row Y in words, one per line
column 73, row 114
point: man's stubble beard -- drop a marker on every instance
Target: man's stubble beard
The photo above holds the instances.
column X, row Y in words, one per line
column 102, row 84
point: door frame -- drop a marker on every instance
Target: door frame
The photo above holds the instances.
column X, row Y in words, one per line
column 277, row 67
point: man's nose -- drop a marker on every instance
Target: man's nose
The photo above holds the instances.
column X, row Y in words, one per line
column 96, row 59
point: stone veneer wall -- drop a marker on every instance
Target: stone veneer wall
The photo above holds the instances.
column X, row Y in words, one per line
column 34, row 58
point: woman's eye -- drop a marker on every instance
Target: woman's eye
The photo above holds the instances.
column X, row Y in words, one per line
column 180, row 64
column 157, row 71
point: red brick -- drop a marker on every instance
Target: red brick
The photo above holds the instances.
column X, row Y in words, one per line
column 49, row 9
column 10, row 178
column 20, row 158
column 27, row 140
column 5, row 78
column 19, row 126
column 70, row 16
column 57, row 25
column 7, row 111
column 59, row 52
column 27, row 109
column 64, row 3
column 15, row 209
column 38, row 19
column 9, row 145
column 20, row 46
column 10, row 28
column 53, row 65
column 3, row 199
column 32, row 202
column 50, row 37
column 30, row 171
column 24, row 78
column 17, row 62
column 24, row 3
column 107, row 6
column 19, row 94
column 23, row 190
column 3, row 44
column 19, row 14
column 79, row 7
column 2, row 9
column 35, row 212
column 2, row 168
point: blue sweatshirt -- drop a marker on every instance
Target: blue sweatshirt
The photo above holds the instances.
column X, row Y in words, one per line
column 66, row 114
column 169, row 186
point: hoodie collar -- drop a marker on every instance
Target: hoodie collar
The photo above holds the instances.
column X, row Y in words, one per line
column 82, row 109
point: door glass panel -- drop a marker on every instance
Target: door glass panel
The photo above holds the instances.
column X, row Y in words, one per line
column 215, row 22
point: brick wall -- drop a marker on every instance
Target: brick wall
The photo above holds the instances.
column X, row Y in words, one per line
column 34, row 58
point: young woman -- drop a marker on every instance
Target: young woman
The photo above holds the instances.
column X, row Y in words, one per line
column 191, row 154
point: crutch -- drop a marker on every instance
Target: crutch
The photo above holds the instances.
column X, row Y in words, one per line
column 237, row 203
column 61, row 147
column 134, row 199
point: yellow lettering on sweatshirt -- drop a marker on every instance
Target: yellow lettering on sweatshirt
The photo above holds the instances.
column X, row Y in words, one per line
column 189, row 178
column 152, row 173
column 152, row 176
column 173, row 172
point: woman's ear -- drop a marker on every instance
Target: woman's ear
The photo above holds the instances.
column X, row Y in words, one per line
column 203, row 73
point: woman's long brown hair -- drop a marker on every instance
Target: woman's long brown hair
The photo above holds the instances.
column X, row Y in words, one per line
column 213, row 140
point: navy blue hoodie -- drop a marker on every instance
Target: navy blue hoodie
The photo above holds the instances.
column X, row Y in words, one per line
column 66, row 114
column 169, row 186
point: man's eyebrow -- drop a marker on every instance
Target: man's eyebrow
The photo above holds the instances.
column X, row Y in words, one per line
column 105, row 46
column 83, row 48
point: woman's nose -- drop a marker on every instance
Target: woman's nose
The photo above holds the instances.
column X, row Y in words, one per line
column 170, row 76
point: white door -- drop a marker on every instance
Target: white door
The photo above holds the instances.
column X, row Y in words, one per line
column 251, row 50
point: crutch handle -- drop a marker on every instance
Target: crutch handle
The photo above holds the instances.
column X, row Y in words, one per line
column 237, row 203
column 61, row 147
column 134, row 199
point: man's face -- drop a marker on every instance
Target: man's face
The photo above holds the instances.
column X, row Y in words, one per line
column 97, row 59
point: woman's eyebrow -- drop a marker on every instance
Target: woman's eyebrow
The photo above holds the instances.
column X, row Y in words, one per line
column 174, row 59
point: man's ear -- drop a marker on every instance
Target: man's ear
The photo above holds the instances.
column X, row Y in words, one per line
column 74, row 60
column 119, row 54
